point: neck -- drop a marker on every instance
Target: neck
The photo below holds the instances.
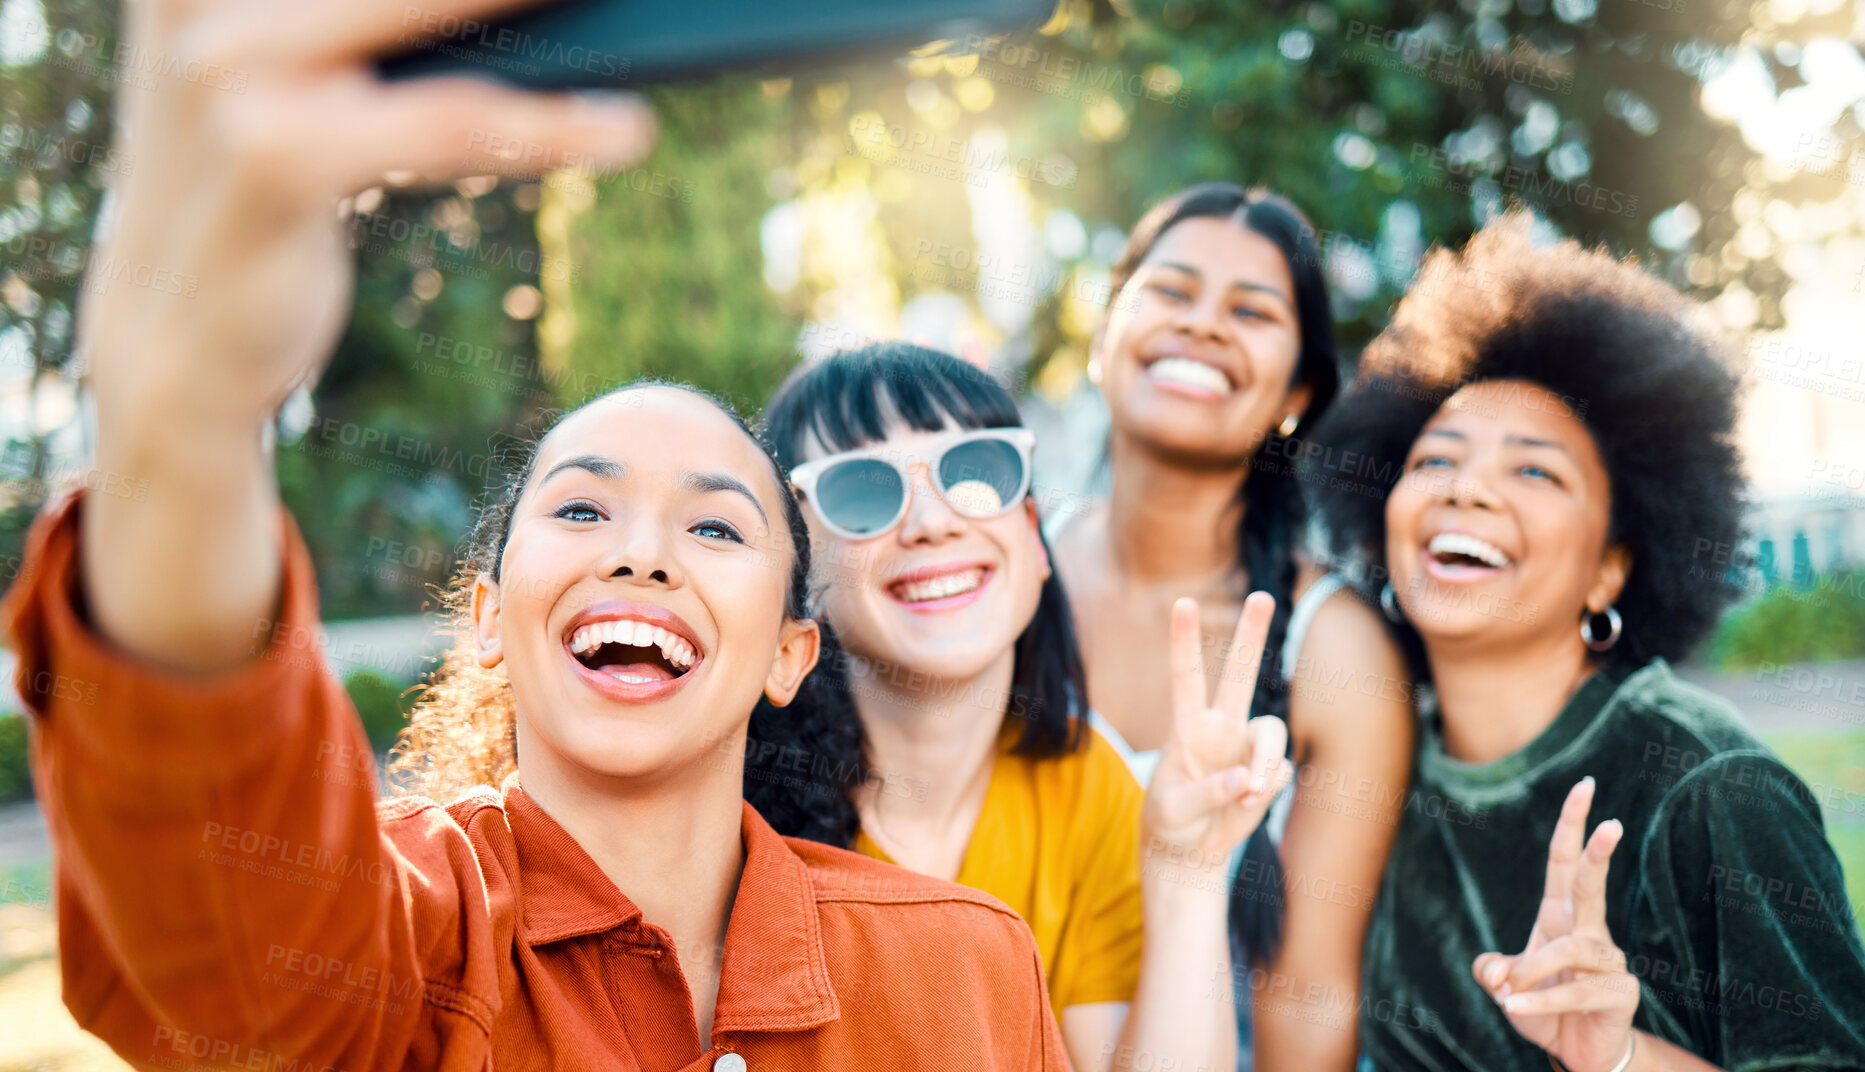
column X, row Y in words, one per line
column 673, row 847
column 1167, row 522
column 1495, row 699
column 934, row 743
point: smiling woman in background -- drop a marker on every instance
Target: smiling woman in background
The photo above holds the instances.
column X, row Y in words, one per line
column 1564, row 431
column 1217, row 347
column 952, row 740
column 230, row 891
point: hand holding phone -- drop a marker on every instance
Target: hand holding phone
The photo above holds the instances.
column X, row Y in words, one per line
column 223, row 277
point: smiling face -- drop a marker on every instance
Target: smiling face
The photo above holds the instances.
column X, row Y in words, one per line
column 1202, row 343
column 1497, row 533
column 939, row 593
column 640, row 608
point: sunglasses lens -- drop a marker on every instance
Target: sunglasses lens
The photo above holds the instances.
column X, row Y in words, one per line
column 981, row 477
column 860, row 495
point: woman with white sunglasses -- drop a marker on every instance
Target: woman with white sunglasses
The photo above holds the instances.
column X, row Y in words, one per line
column 945, row 727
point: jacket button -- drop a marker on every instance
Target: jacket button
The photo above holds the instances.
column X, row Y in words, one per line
column 729, row 1062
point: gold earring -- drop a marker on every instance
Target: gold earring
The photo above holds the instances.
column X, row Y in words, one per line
column 1288, row 425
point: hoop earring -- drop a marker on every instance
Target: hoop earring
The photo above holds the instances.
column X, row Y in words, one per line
column 1389, row 605
column 1614, row 624
column 1288, row 425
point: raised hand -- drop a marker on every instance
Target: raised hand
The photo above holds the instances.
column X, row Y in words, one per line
column 1219, row 769
column 256, row 119
column 1569, row 991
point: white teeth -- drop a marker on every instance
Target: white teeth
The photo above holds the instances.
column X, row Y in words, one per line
column 1191, row 373
column 635, row 634
column 1462, row 543
column 950, row 584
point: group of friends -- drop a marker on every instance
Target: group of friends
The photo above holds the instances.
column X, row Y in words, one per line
column 1342, row 731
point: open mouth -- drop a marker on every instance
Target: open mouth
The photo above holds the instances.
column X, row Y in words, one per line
column 919, row 589
column 1196, row 376
column 1464, row 552
column 633, row 652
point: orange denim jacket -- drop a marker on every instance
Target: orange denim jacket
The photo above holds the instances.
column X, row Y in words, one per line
column 232, row 895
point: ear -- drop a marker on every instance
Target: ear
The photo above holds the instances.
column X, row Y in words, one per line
column 1299, row 397
column 1615, row 566
column 797, row 647
column 486, row 621
column 1036, row 528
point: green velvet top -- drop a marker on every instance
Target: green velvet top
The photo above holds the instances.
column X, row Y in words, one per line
column 1724, row 893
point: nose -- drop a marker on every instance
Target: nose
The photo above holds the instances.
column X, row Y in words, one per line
column 930, row 519
column 1201, row 317
column 642, row 557
column 1469, row 486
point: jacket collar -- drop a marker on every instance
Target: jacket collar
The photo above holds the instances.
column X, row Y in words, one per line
column 774, row 976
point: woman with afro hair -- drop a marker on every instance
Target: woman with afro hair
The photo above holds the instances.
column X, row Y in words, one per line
column 1534, row 467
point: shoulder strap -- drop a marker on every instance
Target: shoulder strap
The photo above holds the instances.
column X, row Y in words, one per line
column 1304, row 614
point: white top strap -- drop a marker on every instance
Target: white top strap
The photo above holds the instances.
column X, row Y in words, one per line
column 1304, row 615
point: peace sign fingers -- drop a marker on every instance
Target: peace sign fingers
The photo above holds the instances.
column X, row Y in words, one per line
column 1244, row 658
column 1556, row 917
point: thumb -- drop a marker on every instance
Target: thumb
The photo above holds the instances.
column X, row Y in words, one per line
column 1492, row 969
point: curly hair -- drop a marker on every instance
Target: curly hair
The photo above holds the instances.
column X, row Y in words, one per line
column 1634, row 360
column 463, row 730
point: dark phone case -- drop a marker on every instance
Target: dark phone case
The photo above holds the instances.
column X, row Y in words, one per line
column 574, row 44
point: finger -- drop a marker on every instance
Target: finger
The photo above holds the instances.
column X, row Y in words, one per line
column 1590, row 877
column 1188, row 687
column 1215, row 791
column 1564, row 857
column 1237, row 684
column 1269, row 739
column 1590, row 994
column 451, row 128
column 1576, row 952
column 1491, row 969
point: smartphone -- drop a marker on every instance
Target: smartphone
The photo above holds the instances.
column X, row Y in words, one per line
column 578, row 44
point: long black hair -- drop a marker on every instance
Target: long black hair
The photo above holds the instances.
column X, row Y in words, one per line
column 803, row 762
column 1274, row 516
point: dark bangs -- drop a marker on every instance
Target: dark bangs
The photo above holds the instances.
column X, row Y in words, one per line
column 846, row 400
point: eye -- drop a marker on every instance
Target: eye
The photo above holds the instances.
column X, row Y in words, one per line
column 1169, row 291
column 714, row 529
column 1430, row 461
column 576, row 507
column 1536, row 472
column 1244, row 312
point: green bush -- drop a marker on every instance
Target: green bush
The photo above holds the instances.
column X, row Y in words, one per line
column 379, row 700
column 1820, row 622
column 15, row 776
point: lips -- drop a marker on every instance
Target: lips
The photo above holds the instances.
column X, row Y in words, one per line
column 942, row 587
column 1189, row 374
column 1461, row 556
column 632, row 652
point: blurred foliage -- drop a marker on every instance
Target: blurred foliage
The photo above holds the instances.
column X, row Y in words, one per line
column 996, row 181
column 1822, row 621
column 15, row 773
column 663, row 278
column 381, row 703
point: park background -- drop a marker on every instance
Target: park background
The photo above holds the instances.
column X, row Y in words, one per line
column 974, row 202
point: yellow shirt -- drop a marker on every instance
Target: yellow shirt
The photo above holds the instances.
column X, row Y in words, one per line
column 1058, row 841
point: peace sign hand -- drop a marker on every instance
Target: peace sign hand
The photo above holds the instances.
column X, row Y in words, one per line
column 1220, row 768
column 1569, row 991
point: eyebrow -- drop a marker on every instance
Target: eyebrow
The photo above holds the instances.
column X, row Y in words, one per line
column 702, row 483
column 1515, row 440
column 705, row 483
column 1189, row 270
column 593, row 463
